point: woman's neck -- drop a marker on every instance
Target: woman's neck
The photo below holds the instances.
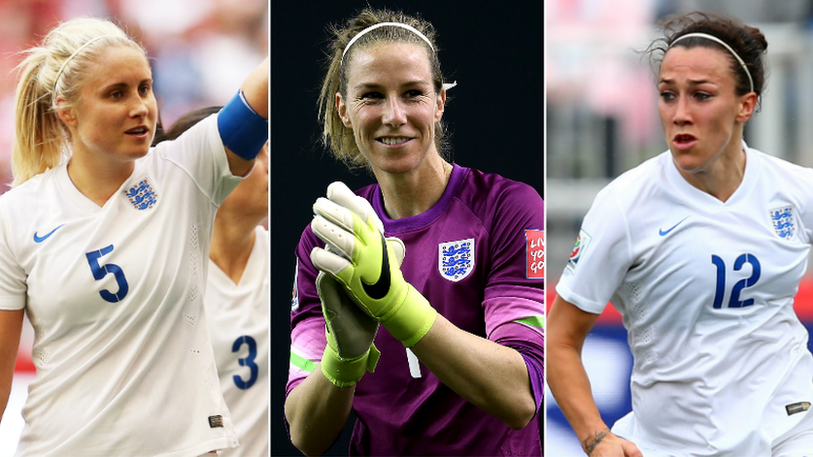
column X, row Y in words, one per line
column 413, row 193
column 722, row 176
column 98, row 180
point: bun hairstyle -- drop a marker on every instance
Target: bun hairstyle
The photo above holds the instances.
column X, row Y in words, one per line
column 335, row 135
column 746, row 42
column 53, row 71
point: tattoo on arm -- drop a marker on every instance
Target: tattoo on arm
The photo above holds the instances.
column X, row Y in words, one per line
column 591, row 442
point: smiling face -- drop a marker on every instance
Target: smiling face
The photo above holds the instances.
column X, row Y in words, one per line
column 701, row 114
column 114, row 117
column 392, row 106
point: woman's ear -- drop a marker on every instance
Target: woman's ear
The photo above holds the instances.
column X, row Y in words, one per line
column 66, row 114
column 341, row 108
column 440, row 105
column 747, row 107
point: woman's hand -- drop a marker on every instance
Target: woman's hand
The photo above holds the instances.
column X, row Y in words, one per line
column 604, row 443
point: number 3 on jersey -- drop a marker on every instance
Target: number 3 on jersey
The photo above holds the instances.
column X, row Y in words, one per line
column 248, row 361
column 100, row 271
column 734, row 301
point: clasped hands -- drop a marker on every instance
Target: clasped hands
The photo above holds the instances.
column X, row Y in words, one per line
column 360, row 285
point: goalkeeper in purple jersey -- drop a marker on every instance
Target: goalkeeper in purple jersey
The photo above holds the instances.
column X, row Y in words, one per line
column 448, row 260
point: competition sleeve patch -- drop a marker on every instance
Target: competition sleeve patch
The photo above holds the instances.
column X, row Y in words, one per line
column 535, row 253
column 578, row 249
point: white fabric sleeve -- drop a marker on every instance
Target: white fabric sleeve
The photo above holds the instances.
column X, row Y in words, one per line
column 200, row 153
column 12, row 278
column 601, row 258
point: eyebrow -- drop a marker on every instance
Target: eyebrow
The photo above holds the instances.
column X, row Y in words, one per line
column 418, row 82
column 694, row 82
column 125, row 85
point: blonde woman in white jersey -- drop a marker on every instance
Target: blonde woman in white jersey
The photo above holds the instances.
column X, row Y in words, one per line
column 237, row 301
column 104, row 244
column 701, row 249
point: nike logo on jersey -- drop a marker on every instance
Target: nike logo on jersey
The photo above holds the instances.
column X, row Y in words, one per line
column 663, row 232
column 40, row 239
column 379, row 289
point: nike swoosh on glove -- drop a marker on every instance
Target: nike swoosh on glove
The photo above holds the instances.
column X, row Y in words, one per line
column 350, row 333
column 368, row 265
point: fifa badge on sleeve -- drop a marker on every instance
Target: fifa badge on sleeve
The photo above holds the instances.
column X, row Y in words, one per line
column 582, row 241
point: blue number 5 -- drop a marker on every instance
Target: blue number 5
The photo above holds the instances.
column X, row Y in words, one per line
column 100, row 271
column 734, row 301
column 246, row 362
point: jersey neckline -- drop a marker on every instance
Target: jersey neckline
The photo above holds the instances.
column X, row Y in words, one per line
column 425, row 218
column 700, row 197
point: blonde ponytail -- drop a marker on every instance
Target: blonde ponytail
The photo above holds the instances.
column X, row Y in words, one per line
column 51, row 71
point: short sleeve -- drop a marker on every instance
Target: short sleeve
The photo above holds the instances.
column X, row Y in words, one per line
column 13, row 277
column 199, row 152
column 600, row 258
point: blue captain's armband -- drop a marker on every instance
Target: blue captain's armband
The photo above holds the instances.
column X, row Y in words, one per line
column 242, row 130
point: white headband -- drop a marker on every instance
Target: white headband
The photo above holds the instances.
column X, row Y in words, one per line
column 62, row 68
column 382, row 24
column 714, row 38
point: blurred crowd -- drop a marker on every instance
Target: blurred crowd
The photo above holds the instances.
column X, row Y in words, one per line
column 201, row 50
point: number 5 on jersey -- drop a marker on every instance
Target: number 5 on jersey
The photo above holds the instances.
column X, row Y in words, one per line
column 100, row 271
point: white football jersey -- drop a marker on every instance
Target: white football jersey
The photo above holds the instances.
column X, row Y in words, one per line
column 705, row 288
column 115, row 295
column 239, row 321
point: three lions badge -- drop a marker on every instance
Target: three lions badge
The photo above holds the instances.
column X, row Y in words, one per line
column 456, row 259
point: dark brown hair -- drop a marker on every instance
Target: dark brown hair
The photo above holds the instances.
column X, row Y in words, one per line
column 748, row 42
column 183, row 124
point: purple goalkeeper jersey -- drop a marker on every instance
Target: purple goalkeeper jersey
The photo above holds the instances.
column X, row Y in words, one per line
column 478, row 256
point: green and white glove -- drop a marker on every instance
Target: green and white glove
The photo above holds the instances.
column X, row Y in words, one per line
column 350, row 333
column 368, row 265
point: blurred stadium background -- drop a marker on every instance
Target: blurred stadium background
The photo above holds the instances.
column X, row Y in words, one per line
column 602, row 120
column 200, row 50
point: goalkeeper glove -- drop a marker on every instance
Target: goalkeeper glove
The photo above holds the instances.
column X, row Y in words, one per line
column 368, row 265
column 350, row 351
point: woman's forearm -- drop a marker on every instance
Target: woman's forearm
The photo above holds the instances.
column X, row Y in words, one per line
column 570, row 386
column 316, row 411
column 566, row 331
column 490, row 376
column 11, row 324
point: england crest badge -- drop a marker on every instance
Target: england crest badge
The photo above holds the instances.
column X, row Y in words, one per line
column 142, row 196
column 783, row 221
column 456, row 259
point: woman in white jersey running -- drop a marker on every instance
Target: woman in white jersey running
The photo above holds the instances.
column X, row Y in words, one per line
column 104, row 245
column 701, row 249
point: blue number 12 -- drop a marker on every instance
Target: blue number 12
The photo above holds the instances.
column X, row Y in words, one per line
column 734, row 301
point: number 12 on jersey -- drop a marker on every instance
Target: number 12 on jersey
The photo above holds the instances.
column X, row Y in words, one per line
column 734, row 301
